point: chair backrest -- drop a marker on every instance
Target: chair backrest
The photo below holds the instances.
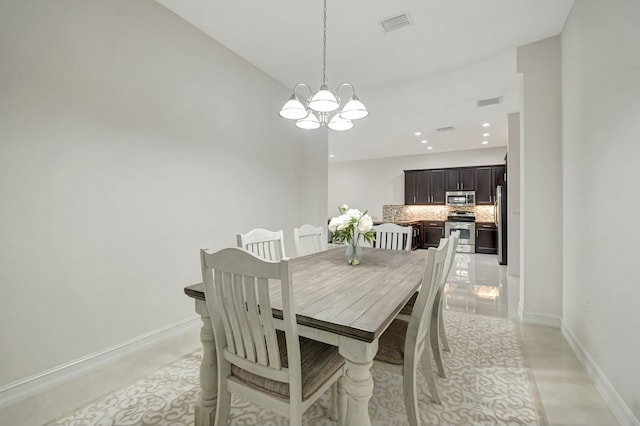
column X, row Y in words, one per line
column 390, row 236
column 263, row 243
column 236, row 287
column 309, row 239
column 421, row 312
column 451, row 254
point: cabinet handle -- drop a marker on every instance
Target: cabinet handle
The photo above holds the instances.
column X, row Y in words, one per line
column 477, row 234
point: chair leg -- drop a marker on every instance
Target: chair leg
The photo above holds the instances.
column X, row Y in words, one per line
column 433, row 336
column 409, row 388
column 334, row 402
column 441, row 333
column 428, row 374
column 224, row 404
column 295, row 413
column 341, row 395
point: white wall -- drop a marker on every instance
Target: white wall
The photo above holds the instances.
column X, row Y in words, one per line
column 129, row 141
column 369, row 184
column 513, row 196
column 601, row 148
column 541, row 182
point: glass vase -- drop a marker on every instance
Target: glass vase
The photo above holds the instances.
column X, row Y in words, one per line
column 354, row 252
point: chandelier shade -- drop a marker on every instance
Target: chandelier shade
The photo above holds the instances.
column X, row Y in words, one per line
column 324, row 100
column 354, row 109
column 293, row 109
column 338, row 123
column 310, row 122
column 323, row 108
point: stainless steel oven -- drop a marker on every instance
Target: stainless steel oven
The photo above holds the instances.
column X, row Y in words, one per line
column 467, row 242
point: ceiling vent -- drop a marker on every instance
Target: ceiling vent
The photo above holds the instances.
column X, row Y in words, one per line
column 445, row 129
column 489, row 101
column 396, row 22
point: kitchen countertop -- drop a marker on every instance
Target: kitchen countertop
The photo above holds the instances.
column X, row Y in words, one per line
column 414, row 222
column 398, row 222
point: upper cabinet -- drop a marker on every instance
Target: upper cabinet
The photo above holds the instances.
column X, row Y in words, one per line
column 410, row 186
column 462, row 179
column 487, row 179
column 430, row 186
column 500, row 175
column 424, row 187
column 437, row 187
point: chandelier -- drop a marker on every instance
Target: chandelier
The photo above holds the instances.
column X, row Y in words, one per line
column 323, row 107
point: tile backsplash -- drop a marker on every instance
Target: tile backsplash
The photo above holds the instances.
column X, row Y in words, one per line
column 393, row 213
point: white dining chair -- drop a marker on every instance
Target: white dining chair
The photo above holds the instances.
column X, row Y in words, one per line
column 275, row 369
column 438, row 305
column 390, row 236
column 437, row 333
column 309, row 239
column 405, row 345
column 266, row 244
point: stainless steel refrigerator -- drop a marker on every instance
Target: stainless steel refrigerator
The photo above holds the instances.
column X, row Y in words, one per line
column 501, row 223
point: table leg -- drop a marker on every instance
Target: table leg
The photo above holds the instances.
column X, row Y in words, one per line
column 358, row 381
column 206, row 406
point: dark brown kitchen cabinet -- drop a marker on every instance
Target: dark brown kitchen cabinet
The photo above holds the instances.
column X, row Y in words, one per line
column 487, row 178
column 437, row 187
column 462, row 179
column 424, row 187
column 484, row 185
column 432, row 231
column 500, row 175
column 410, row 187
column 486, row 238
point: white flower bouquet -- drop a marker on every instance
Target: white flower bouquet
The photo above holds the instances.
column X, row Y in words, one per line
column 348, row 227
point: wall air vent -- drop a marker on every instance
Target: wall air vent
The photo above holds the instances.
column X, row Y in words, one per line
column 396, row 22
column 445, row 129
column 489, row 101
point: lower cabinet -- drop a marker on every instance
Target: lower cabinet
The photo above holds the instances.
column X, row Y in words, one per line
column 416, row 234
column 486, row 238
column 432, row 231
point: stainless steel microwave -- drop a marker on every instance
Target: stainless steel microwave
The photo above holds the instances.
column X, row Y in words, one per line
column 461, row 198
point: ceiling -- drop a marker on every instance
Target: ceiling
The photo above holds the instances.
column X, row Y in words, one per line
column 418, row 78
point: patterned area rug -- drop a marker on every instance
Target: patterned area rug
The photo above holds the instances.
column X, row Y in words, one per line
column 488, row 383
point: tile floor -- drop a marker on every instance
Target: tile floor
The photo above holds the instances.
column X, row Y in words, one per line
column 477, row 284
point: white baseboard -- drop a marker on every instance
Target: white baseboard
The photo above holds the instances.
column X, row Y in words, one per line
column 540, row 319
column 616, row 404
column 28, row 387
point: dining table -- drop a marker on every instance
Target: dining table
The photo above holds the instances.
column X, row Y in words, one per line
column 348, row 306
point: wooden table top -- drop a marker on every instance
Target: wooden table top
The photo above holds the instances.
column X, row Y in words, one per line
column 354, row 301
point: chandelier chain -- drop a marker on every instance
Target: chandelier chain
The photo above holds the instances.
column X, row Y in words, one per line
column 324, row 45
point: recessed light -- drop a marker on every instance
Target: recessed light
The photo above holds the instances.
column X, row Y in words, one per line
column 429, row 147
column 331, row 156
column 418, row 133
column 486, row 124
column 485, row 142
column 423, row 141
column 486, row 134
